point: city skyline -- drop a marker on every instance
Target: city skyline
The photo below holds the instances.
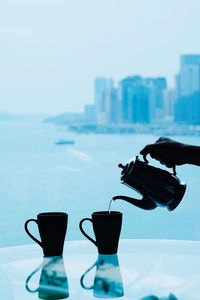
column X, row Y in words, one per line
column 160, row 99
column 49, row 65
column 111, row 83
column 141, row 100
column 147, row 100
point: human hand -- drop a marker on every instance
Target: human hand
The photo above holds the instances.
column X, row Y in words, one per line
column 167, row 151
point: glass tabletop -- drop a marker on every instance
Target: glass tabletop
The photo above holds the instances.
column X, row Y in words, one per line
column 142, row 269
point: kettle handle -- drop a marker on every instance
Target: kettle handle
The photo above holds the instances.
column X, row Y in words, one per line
column 146, row 161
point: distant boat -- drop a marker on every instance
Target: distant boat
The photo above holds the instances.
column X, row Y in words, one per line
column 64, row 142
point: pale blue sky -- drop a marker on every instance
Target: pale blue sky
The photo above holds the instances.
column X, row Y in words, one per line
column 51, row 51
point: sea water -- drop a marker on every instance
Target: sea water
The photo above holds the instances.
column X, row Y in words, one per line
column 38, row 176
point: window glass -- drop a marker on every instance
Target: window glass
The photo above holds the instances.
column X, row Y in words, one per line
column 84, row 86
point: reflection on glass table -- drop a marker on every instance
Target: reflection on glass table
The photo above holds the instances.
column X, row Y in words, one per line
column 53, row 282
column 108, row 279
column 152, row 297
column 148, row 270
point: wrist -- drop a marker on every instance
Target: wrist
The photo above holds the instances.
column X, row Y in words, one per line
column 191, row 154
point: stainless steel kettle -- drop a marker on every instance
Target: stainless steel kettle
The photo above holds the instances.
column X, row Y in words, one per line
column 157, row 186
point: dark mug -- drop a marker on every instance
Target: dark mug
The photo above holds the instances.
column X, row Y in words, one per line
column 108, row 280
column 52, row 228
column 107, row 228
column 53, row 280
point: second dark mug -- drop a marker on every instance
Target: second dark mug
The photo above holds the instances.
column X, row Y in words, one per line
column 52, row 228
column 107, row 228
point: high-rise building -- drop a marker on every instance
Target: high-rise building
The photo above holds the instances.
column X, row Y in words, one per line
column 156, row 102
column 187, row 109
column 138, row 104
column 187, row 105
column 124, row 99
column 150, row 93
column 177, row 86
column 169, row 97
column 189, row 75
column 111, row 106
column 100, row 87
column 90, row 114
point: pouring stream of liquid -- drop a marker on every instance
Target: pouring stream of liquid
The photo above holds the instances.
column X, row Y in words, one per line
column 110, row 205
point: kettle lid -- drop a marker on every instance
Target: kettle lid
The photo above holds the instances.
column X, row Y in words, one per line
column 128, row 168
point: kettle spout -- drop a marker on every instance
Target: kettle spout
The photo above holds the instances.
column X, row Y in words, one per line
column 145, row 203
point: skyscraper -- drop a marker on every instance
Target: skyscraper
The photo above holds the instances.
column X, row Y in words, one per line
column 90, row 114
column 100, row 87
column 169, row 97
column 112, row 106
column 187, row 105
column 142, row 99
column 156, row 102
column 187, row 109
column 125, row 103
column 138, row 104
column 189, row 74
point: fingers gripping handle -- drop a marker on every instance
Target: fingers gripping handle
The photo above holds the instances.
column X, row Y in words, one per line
column 27, row 231
column 174, row 170
column 145, row 159
column 84, row 233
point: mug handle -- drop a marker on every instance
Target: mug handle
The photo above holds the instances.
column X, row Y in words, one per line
column 83, row 276
column 27, row 231
column 84, row 233
column 42, row 265
column 28, row 279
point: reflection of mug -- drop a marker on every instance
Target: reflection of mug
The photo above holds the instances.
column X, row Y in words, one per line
column 107, row 228
column 52, row 228
column 108, row 280
column 152, row 297
column 53, row 280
